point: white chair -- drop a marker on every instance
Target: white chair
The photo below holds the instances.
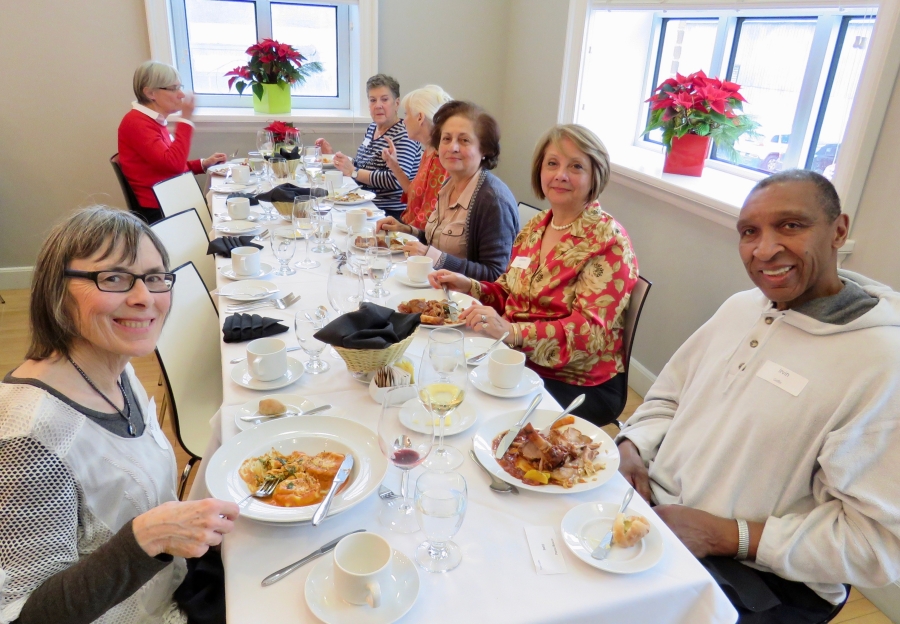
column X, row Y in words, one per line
column 185, row 239
column 526, row 212
column 190, row 357
column 182, row 193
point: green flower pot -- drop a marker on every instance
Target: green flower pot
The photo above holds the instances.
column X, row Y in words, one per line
column 276, row 99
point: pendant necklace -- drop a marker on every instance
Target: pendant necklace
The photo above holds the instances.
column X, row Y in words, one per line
column 126, row 414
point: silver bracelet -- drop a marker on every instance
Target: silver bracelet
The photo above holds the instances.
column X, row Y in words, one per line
column 743, row 540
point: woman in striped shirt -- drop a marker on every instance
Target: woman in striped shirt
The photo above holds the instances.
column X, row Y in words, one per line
column 369, row 169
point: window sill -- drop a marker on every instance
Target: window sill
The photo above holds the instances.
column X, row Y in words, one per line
column 223, row 119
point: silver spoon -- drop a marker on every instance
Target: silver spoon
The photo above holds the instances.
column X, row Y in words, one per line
column 497, row 485
column 478, row 359
column 244, row 357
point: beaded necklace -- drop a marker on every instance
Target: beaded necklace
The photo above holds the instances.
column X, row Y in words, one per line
column 126, row 414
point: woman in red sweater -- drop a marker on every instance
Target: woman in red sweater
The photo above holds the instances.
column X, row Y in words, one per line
column 147, row 153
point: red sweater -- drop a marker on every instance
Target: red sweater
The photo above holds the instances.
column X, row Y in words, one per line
column 148, row 155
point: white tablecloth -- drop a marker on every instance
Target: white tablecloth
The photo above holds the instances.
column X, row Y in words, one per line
column 496, row 581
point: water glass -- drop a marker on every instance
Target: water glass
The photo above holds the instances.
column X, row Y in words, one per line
column 380, row 262
column 292, row 140
column 284, row 243
column 322, row 217
column 305, row 227
column 358, row 243
column 343, row 287
column 280, row 168
column 441, row 501
column 306, row 323
column 265, row 143
column 442, row 379
column 312, row 161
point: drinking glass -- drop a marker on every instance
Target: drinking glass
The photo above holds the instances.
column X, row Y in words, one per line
column 380, row 262
column 306, row 323
column 358, row 243
column 342, row 289
column 406, row 444
column 441, row 501
column 305, row 227
column 257, row 166
column 280, row 168
column 284, row 243
column 442, row 388
column 292, row 139
column 265, row 143
column 322, row 216
column 312, row 161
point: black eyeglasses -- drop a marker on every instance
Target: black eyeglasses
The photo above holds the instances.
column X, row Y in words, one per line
column 173, row 88
column 120, row 281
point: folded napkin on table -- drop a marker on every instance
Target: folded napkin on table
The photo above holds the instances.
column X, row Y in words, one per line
column 287, row 193
column 250, row 196
column 225, row 244
column 293, row 154
column 241, row 327
column 370, row 327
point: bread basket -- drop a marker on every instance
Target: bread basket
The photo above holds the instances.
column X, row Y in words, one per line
column 369, row 360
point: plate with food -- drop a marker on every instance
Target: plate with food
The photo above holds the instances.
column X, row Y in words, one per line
column 434, row 308
column 270, row 405
column 222, row 169
column 356, row 196
column 576, row 456
column 384, row 240
column 302, row 455
column 328, row 161
column 637, row 545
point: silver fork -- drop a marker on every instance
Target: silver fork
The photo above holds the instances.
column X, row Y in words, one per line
column 285, row 302
column 261, row 236
column 264, row 490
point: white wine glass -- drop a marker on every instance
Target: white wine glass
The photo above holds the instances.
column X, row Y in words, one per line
column 442, row 388
column 306, row 323
column 312, row 161
column 406, row 444
column 380, row 261
column 441, row 502
column 284, row 243
column 305, row 227
column 265, row 143
column 292, row 140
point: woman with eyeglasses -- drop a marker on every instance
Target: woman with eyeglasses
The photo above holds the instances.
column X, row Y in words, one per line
column 147, row 152
column 91, row 529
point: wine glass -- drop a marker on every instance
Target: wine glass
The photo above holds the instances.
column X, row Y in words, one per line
column 380, row 262
column 312, row 161
column 257, row 167
column 441, row 501
column 292, row 140
column 306, row 323
column 284, row 243
column 323, row 233
column 442, row 388
column 406, row 443
column 342, row 289
column 265, row 143
column 358, row 243
column 305, row 227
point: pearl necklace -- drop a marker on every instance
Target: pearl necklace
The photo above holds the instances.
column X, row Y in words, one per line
column 561, row 228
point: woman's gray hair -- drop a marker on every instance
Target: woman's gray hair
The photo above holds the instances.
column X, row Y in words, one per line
column 87, row 232
column 426, row 100
column 586, row 141
column 153, row 75
column 383, row 80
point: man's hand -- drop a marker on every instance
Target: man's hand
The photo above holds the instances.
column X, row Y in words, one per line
column 633, row 469
column 703, row 533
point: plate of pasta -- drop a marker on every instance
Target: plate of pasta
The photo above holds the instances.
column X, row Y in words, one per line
column 301, row 454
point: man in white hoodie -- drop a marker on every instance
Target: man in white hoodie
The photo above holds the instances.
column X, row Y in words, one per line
column 772, row 436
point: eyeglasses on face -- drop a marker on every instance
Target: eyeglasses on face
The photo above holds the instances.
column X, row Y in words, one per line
column 121, row 281
column 177, row 87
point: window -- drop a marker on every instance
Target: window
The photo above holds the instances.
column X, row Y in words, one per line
column 211, row 37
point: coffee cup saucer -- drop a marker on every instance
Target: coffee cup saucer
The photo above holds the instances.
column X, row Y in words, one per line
column 403, row 278
column 530, row 382
column 225, row 217
column 265, row 269
column 241, row 376
column 323, row 601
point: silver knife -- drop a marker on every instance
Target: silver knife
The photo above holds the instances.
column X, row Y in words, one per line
column 600, row 553
column 515, row 429
column 264, row 418
column 327, row 548
column 342, row 475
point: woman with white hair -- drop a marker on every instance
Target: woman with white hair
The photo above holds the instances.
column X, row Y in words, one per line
column 147, row 153
column 421, row 193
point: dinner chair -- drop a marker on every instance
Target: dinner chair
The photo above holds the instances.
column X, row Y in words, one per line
column 632, row 316
column 526, row 212
column 130, row 198
column 182, row 193
column 190, row 358
column 185, row 239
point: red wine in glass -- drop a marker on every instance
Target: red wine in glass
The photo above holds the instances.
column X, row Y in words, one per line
column 406, row 458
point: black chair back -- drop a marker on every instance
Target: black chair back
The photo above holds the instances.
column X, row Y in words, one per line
column 130, row 198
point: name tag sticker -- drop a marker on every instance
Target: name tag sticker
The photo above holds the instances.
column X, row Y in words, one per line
column 521, row 262
column 786, row 379
column 544, row 546
column 365, row 142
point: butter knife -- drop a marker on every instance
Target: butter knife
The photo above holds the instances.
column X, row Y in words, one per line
column 515, row 429
column 605, row 544
column 327, row 548
column 342, row 475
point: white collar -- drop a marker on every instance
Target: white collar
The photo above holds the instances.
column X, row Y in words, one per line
column 152, row 114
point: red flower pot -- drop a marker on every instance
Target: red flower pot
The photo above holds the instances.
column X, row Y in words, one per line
column 687, row 155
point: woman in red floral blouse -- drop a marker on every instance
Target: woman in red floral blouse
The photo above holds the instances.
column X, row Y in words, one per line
column 563, row 296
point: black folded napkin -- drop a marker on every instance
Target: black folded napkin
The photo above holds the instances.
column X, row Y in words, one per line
column 370, row 327
column 225, row 244
column 287, row 193
column 241, row 327
column 250, row 196
column 293, row 154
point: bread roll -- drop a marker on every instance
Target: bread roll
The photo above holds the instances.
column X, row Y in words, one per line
column 629, row 531
column 271, row 407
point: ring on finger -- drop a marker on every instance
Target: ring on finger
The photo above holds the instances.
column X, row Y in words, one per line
column 483, row 319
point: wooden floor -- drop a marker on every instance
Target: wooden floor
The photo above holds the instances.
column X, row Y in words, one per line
column 14, row 343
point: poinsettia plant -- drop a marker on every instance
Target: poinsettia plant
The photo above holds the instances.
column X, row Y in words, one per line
column 698, row 104
column 272, row 62
column 278, row 129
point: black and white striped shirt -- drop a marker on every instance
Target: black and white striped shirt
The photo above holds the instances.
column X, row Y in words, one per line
column 383, row 182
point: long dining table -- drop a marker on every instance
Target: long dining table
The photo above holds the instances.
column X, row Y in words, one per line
column 497, row 580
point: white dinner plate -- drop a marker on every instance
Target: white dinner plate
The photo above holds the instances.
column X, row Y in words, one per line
column 248, row 290
column 484, row 437
column 476, row 345
column 241, row 376
column 222, row 168
column 239, row 226
column 414, row 415
column 293, row 402
column 265, row 269
column 464, row 301
column 231, row 187
column 325, row 604
column 365, row 196
column 530, row 382
column 396, row 254
column 312, row 435
column 585, row 525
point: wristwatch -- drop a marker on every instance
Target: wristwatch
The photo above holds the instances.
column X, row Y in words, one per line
column 355, row 173
column 743, row 540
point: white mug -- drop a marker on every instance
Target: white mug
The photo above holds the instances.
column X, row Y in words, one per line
column 238, row 207
column 505, row 368
column 418, row 268
column 267, row 359
column 335, row 179
column 240, row 174
column 245, row 260
column 356, row 219
column 362, row 569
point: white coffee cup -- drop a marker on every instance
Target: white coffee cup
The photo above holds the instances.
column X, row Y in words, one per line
column 418, row 268
column 335, row 179
column 356, row 219
column 362, row 569
column 505, row 368
column 267, row 359
column 238, row 207
column 245, row 260
column 240, row 174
